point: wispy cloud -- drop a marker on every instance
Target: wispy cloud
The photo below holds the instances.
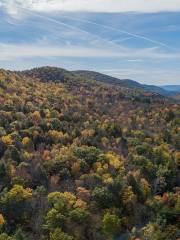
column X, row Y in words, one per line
column 14, row 51
column 134, row 60
column 95, row 5
column 19, row 8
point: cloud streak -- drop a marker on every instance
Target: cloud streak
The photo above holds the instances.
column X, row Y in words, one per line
column 15, row 51
column 96, row 5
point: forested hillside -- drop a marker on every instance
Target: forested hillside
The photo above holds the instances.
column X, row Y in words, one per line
column 83, row 160
column 164, row 91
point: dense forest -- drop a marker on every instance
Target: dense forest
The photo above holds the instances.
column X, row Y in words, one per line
column 86, row 160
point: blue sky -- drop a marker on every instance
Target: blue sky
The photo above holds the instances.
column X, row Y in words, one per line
column 134, row 39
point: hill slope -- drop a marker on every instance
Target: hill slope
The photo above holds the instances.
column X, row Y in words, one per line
column 64, row 76
column 122, row 82
column 85, row 160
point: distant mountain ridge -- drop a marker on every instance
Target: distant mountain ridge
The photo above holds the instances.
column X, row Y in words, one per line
column 46, row 74
column 126, row 82
column 171, row 88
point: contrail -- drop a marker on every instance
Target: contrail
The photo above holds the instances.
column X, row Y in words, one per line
column 58, row 22
column 132, row 35
column 122, row 39
column 120, row 31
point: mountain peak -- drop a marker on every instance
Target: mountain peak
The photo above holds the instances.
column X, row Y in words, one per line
column 48, row 73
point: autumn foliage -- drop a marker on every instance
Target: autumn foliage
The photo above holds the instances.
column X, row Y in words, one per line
column 85, row 160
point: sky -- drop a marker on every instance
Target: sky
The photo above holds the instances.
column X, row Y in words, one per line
column 128, row 39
